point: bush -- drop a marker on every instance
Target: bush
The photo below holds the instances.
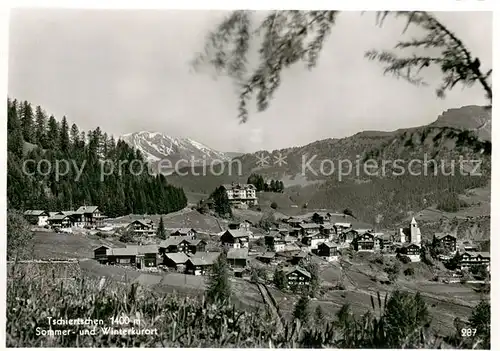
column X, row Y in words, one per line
column 274, row 205
column 19, row 235
column 479, row 271
column 379, row 259
column 127, row 237
column 409, row 271
column 403, row 259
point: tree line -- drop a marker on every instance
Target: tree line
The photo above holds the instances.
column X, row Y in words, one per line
column 275, row 186
column 32, row 135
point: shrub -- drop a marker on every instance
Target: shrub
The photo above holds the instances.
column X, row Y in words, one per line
column 409, row 271
column 479, row 271
column 403, row 259
column 301, row 309
column 127, row 237
column 274, row 205
column 19, row 235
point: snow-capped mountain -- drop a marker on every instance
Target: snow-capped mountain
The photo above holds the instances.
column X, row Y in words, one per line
column 184, row 151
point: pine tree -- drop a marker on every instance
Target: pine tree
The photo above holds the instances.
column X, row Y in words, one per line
column 40, row 127
column 219, row 287
column 301, row 309
column 221, row 202
column 279, row 279
column 53, row 134
column 319, row 316
column 161, row 233
column 27, row 123
column 75, row 137
column 15, row 141
column 64, row 135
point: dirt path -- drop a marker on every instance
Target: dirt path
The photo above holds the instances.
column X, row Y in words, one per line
column 271, row 304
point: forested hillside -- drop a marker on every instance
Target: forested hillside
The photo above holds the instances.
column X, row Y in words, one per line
column 99, row 172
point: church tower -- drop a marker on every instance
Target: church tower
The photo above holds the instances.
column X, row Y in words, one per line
column 414, row 232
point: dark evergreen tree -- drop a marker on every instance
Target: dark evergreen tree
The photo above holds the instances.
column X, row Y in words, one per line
column 279, row 279
column 301, row 309
column 40, row 127
column 161, row 233
column 27, row 122
column 64, row 136
column 221, row 202
column 53, row 134
column 219, row 287
column 15, row 141
column 75, row 137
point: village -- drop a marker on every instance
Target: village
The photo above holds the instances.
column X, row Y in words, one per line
column 285, row 244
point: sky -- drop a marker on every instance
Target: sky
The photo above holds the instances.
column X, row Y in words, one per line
column 127, row 71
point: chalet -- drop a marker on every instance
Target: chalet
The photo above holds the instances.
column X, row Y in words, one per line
column 411, row 250
column 348, row 236
column 328, row 229
column 283, row 230
column 366, row 242
column 341, row 226
column 447, row 241
column 241, row 195
column 274, row 241
column 76, row 218
column 147, row 256
column 312, row 241
column 91, row 216
column 173, row 245
column 176, row 260
column 186, row 233
column 328, row 251
column 101, row 253
column 201, row 263
column 295, row 222
column 197, row 245
column 309, row 228
column 297, row 257
column 291, row 248
column 469, row 246
column 237, row 257
column 245, row 225
column 297, row 276
column 123, row 256
column 240, row 272
column 59, row 221
column 37, row 217
column 140, row 227
column 469, row 259
column 179, row 244
column 386, row 242
column 236, row 239
column 267, row 257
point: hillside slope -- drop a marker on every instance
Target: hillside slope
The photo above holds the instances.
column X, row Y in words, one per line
column 414, row 168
